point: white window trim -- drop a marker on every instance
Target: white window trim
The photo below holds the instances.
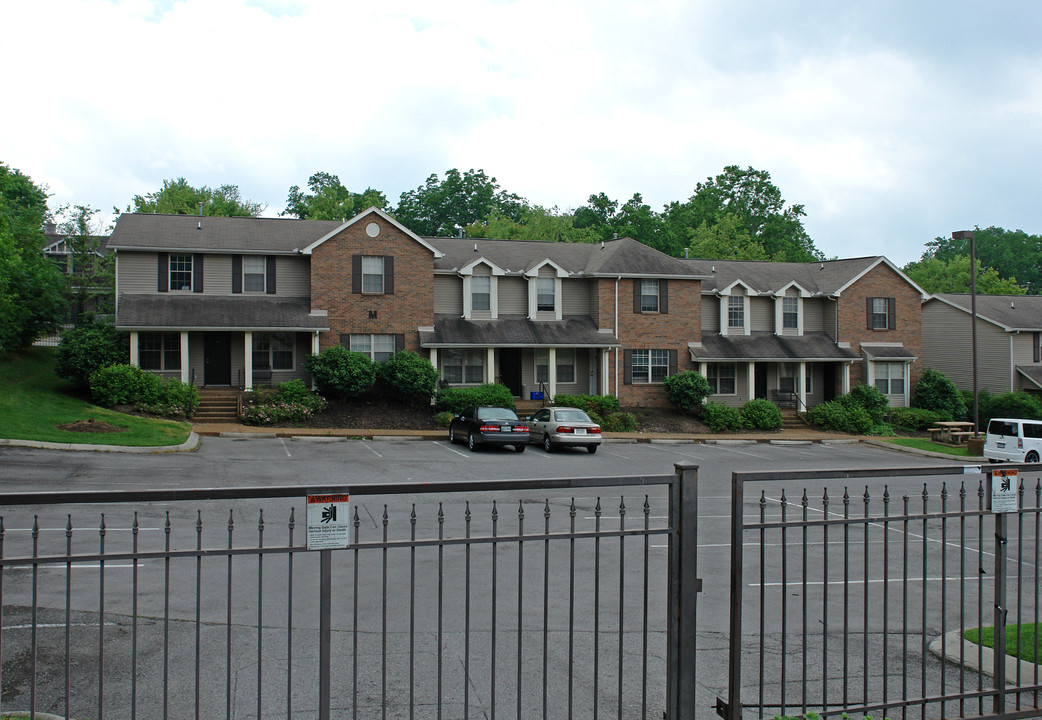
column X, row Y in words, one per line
column 779, row 314
column 725, row 328
column 382, row 274
column 372, row 344
column 170, row 273
column 533, row 298
column 716, row 367
column 264, row 274
column 493, row 299
column 650, row 380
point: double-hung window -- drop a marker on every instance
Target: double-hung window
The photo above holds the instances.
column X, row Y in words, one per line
column 546, row 294
column 273, row 350
column 463, row 366
column 722, row 378
column 650, row 366
column 890, row 378
column 481, row 292
column 378, row 347
column 253, row 273
column 180, row 272
column 372, row 274
column 649, row 296
column 736, row 311
column 565, row 364
column 790, row 312
column 159, row 351
column 882, row 313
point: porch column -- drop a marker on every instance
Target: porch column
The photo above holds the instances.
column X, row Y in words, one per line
column 803, row 385
column 605, row 387
column 133, row 349
column 702, row 369
column 752, row 380
column 314, row 344
column 248, row 361
column 490, row 366
column 846, row 378
column 434, row 360
column 185, row 370
column 552, row 385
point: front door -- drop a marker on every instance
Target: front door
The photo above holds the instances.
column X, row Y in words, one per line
column 761, row 381
column 828, row 386
column 510, row 369
column 217, row 358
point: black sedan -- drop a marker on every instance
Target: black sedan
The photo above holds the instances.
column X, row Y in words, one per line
column 489, row 426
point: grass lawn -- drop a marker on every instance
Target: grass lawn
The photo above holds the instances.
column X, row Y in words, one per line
column 33, row 401
column 1027, row 639
column 921, row 444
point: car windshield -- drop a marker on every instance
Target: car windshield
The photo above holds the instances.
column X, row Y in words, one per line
column 496, row 414
column 571, row 416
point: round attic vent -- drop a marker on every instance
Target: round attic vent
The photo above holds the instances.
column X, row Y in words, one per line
column 372, row 229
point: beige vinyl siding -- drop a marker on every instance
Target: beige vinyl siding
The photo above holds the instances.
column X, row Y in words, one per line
column 947, row 344
column 292, row 276
column 513, row 296
column 594, row 286
column 195, row 355
column 138, row 272
column 217, row 276
column 761, row 312
column 448, row 295
column 710, row 314
column 830, row 317
column 813, row 315
column 576, row 297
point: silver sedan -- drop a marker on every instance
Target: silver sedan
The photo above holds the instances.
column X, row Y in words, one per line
column 564, row 427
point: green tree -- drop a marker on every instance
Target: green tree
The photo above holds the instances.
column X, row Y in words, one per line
column 953, row 276
column 330, row 200
column 751, row 197
column 90, row 273
column 444, row 207
column 1010, row 253
column 537, row 223
column 728, row 239
column 606, row 219
column 32, row 301
column 177, row 197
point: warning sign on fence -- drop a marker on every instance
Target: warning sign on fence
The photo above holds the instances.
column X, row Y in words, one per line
column 329, row 522
column 1004, row 490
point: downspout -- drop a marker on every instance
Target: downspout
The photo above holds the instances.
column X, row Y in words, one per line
column 617, row 334
column 1012, row 372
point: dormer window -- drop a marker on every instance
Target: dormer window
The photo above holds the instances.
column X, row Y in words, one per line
column 545, row 295
column 736, row 311
column 481, row 292
column 790, row 312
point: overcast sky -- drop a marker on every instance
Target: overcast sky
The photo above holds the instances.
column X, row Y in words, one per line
column 891, row 122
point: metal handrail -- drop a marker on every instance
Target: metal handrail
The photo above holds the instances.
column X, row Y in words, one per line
column 546, row 399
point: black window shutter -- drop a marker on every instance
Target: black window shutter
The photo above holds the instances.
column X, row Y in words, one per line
column 356, row 274
column 891, row 313
column 399, row 342
column 345, row 340
column 389, row 275
column 672, row 363
column 868, row 312
column 269, row 281
column 663, row 299
column 164, row 272
column 627, row 367
column 197, row 273
column 1036, row 348
column 636, row 295
column 236, row 273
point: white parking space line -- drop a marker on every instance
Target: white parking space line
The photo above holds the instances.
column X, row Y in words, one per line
column 740, row 452
column 284, row 447
column 366, row 446
column 440, row 444
column 624, row 457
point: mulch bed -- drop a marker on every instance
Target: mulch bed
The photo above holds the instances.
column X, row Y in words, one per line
column 90, row 426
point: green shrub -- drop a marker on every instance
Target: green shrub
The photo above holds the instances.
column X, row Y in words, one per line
column 291, row 402
column 916, row 418
column 409, row 376
column 687, row 390
column 442, row 419
column 1010, row 405
column 89, row 347
column 602, row 405
column 761, row 414
column 124, row 385
column 867, row 397
column 175, row 399
column 341, row 373
column 935, row 391
column 841, row 416
column 722, row 418
column 456, row 399
column 618, row 422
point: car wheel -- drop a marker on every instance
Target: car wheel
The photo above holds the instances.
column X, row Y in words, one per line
column 591, row 449
column 1031, row 457
column 472, row 442
column 547, row 445
column 452, row 435
column 520, row 447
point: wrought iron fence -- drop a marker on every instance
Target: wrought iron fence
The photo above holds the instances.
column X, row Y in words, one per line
column 511, row 599
column 845, row 599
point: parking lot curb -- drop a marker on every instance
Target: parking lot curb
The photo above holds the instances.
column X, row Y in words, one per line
column 247, row 435
column 730, row 442
column 620, row 441
column 972, row 460
column 398, row 437
column 947, row 647
column 790, row 442
column 189, row 445
column 317, row 438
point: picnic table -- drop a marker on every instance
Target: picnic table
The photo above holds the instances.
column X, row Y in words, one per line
column 953, row 432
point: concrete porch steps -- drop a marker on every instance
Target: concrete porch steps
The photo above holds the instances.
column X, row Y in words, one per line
column 216, row 405
column 792, row 421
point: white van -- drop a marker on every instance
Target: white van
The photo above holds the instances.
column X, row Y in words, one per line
column 1013, row 440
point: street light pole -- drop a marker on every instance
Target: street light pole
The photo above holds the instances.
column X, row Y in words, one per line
column 968, row 235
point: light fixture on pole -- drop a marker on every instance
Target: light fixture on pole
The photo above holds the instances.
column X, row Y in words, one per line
column 968, row 235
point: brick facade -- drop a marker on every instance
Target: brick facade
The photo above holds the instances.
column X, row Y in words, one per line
column 411, row 306
column 881, row 281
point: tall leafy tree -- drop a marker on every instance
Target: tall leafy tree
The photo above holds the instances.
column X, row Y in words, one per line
column 177, row 197
column 751, row 197
column 32, row 301
column 330, row 200
column 1011, row 253
column 728, row 239
column 90, row 272
column 607, row 219
column 537, row 223
column 953, row 276
column 444, row 207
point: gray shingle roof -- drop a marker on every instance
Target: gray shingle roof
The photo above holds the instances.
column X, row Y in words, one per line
column 199, row 312
column 811, row 347
column 1032, row 373
column 515, row 330
column 824, row 278
column 1015, row 312
column 624, row 256
column 887, row 352
column 222, row 234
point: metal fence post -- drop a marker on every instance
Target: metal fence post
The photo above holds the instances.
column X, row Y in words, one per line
column 325, row 603
column 683, row 592
column 999, row 644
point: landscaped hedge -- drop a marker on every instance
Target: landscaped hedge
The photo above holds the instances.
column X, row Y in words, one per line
column 722, row 418
column 128, row 385
column 761, row 414
column 341, row 373
column 916, row 418
column 457, row 399
column 291, row 401
column 688, row 391
column 89, row 347
column 602, row 405
column 935, row 391
column 409, row 376
column 840, row 416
